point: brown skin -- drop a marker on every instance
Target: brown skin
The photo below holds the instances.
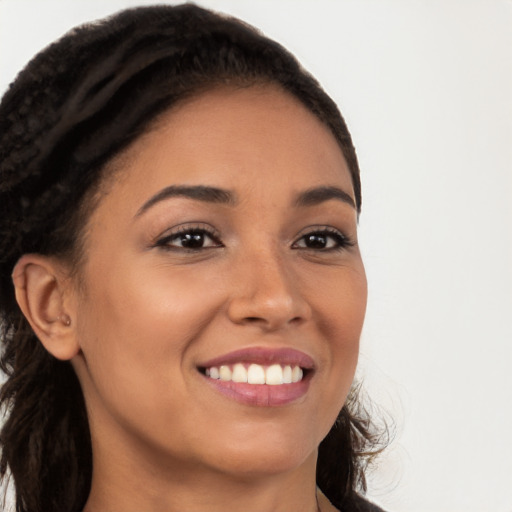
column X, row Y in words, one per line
column 143, row 316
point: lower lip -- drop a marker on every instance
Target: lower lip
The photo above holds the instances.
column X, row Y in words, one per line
column 262, row 395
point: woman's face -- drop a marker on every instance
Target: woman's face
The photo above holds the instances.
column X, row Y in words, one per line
column 225, row 249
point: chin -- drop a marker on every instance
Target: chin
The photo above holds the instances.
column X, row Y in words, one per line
column 264, row 454
column 266, row 464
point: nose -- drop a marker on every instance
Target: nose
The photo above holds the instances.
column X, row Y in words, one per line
column 266, row 293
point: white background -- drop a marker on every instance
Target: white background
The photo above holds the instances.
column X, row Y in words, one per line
column 426, row 88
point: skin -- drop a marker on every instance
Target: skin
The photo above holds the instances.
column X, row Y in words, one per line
column 144, row 314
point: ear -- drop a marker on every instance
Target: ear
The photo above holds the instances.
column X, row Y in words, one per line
column 43, row 291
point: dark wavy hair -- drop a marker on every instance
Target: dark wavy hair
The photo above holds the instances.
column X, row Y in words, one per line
column 74, row 107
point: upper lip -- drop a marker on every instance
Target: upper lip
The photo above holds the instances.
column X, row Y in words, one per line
column 263, row 356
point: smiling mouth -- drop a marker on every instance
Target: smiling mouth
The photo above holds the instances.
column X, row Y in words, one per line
column 259, row 376
column 270, row 375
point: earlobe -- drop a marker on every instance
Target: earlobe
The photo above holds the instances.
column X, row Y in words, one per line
column 42, row 295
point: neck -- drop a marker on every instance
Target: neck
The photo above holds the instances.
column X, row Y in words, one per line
column 132, row 487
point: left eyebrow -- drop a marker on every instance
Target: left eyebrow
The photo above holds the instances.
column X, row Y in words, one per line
column 314, row 196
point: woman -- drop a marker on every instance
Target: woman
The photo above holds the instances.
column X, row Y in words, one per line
column 182, row 291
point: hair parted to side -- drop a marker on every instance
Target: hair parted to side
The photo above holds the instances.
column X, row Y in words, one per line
column 74, row 107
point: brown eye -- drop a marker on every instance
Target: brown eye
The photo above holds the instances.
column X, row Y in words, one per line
column 322, row 240
column 316, row 241
column 191, row 239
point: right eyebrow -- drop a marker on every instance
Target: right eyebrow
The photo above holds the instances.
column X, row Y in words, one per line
column 197, row 192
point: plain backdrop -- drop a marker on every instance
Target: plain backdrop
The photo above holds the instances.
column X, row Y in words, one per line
column 426, row 89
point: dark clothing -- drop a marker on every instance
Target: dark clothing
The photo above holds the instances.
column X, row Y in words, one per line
column 360, row 504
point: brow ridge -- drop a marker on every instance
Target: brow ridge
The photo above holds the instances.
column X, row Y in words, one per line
column 317, row 195
column 198, row 192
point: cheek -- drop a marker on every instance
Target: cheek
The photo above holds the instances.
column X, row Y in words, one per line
column 150, row 302
column 136, row 328
column 341, row 308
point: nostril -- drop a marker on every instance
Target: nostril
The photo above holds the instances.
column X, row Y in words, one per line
column 272, row 322
column 268, row 311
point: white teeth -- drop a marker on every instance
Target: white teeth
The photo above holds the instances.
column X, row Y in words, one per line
column 273, row 375
column 287, row 374
column 239, row 373
column 225, row 373
column 297, row 374
column 256, row 374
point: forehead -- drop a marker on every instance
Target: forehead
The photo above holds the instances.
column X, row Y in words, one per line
column 259, row 135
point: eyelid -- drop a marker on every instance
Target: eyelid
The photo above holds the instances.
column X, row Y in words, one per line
column 186, row 227
column 346, row 240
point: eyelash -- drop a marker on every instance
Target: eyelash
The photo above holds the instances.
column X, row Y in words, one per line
column 182, row 232
column 340, row 240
